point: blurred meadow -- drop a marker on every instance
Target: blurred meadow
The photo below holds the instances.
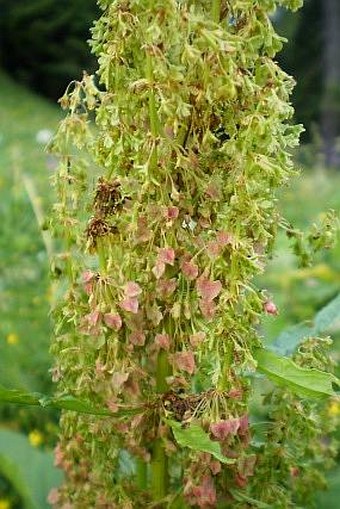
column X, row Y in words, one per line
column 27, row 121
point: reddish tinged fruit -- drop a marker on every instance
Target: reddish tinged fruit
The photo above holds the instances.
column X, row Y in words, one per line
column 132, row 289
column 197, row 338
column 207, row 289
column 222, row 429
column 185, row 361
column 166, row 255
column 171, row 213
column 88, row 281
column 294, row 472
column 166, row 287
column 270, row 308
column 162, row 341
column 53, row 496
column 189, row 269
column 208, row 308
column 113, row 321
column 130, row 304
column 202, row 495
column 137, row 338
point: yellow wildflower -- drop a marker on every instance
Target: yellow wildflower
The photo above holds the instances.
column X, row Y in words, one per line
column 12, row 339
column 36, row 438
column 334, row 408
column 5, row 504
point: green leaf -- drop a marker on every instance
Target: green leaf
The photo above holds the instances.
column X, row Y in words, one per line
column 307, row 383
column 290, row 339
column 72, row 403
column 330, row 498
column 19, row 397
column 29, row 470
column 65, row 402
column 325, row 318
column 198, row 440
column 242, row 497
column 127, row 464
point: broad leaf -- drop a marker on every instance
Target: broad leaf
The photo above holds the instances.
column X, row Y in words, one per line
column 325, row 318
column 330, row 498
column 290, row 338
column 198, row 440
column 29, row 470
column 307, row 383
column 19, row 397
column 66, row 402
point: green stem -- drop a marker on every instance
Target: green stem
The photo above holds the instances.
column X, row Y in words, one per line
column 223, row 382
column 154, row 123
column 154, row 120
column 101, row 255
column 162, row 371
column 216, row 10
column 159, row 463
column 159, row 469
column 183, row 134
column 142, row 474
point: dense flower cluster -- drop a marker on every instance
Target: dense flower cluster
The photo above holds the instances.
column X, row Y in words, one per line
column 167, row 211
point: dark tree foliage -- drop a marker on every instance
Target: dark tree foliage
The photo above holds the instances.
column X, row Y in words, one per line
column 43, row 42
column 303, row 58
column 330, row 118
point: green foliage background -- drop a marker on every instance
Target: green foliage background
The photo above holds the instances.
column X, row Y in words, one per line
column 36, row 37
column 302, row 58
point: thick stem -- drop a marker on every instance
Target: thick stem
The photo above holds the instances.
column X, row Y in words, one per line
column 216, row 10
column 162, row 371
column 159, row 470
column 142, row 474
column 159, row 463
column 101, row 255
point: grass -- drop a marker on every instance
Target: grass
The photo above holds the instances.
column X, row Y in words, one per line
column 25, row 192
column 25, row 327
column 24, row 307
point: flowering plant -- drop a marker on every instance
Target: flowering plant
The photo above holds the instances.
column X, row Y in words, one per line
column 170, row 166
